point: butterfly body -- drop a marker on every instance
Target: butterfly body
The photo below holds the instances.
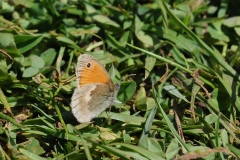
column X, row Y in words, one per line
column 95, row 90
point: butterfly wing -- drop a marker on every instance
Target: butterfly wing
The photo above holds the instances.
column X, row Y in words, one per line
column 90, row 100
column 90, row 71
column 95, row 90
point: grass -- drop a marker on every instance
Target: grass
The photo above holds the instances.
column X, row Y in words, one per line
column 182, row 103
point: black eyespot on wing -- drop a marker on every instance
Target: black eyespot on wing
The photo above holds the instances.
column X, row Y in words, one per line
column 89, row 65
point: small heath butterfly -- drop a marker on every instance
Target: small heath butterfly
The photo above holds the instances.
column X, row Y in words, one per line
column 95, row 90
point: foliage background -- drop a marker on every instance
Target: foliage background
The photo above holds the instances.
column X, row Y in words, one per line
column 183, row 102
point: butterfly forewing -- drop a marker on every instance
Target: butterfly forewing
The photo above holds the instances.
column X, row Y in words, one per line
column 90, row 71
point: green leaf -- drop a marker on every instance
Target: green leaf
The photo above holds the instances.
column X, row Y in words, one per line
column 152, row 145
column 217, row 33
column 30, row 72
column 142, row 102
column 104, row 20
column 31, row 155
column 68, row 42
column 237, row 29
column 126, row 91
column 48, row 56
column 144, row 38
column 26, row 3
column 141, row 97
column 232, row 21
column 127, row 138
column 149, row 64
column 7, row 43
column 173, row 91
column 27, row 62
column 26, row 42
column 37, row 61
column 34, row 146
column 225, row 137
column 3, row 73
column 138, row 24
column 6, row 7
column 172, row 149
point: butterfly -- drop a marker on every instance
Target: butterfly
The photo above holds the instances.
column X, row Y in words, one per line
column 95, row 90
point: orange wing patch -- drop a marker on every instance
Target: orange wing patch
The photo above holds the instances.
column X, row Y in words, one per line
column 92, row 72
